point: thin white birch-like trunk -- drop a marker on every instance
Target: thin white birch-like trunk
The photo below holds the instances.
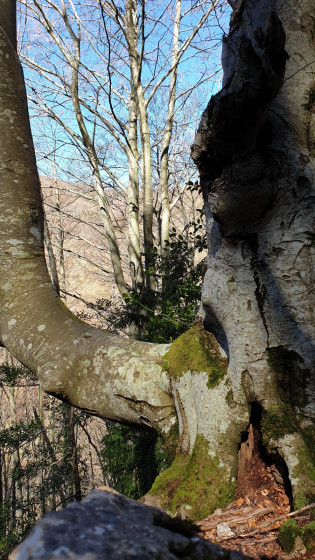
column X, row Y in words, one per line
column 132, row 34
column 133, row 215
column 164, row 164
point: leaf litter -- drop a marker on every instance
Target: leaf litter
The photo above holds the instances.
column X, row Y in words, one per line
column 251, row 523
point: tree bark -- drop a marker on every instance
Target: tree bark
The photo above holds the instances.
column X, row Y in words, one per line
column 255, row 153
column 132, row 34
column 136, row 268
column 164, row 165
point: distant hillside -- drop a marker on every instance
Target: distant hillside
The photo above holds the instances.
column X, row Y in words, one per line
column 75, row 225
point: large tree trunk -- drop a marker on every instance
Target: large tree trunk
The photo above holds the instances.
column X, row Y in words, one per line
column 254, row 152
column 253, row 149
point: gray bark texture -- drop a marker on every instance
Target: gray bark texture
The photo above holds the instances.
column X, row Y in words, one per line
column 106, row 525
column 255, row 152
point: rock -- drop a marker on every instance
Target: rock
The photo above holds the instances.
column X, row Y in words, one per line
column 223, row 530
column 298, row 551
column 111, row 526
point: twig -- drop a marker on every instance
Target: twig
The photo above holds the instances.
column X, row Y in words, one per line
column 235, row 517
column 271, row 522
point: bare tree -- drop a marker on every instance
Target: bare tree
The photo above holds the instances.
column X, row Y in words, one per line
column 101, row 67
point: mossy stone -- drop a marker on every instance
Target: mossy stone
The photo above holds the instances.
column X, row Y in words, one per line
column 195, row 481
column 308, row 536
column 287, row 534
column 196, row 350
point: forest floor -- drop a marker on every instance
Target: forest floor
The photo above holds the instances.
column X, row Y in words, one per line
column 251, row 523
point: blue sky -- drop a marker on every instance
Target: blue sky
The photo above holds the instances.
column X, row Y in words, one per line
column 199, row 62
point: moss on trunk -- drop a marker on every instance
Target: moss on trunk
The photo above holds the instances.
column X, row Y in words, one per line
column 194, row 485
column 196, row 350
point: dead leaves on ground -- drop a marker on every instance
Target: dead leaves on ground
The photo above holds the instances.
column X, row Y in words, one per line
column 250, row 524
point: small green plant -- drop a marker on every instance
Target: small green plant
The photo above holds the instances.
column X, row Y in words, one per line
column 132, row 459
column 161, row 315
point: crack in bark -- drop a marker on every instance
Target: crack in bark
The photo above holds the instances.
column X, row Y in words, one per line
column 184, row 440
column 141, row 405
column 140, row 402
column 260, row 290
column 260, row 294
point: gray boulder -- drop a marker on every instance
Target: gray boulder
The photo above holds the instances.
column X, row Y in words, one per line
column 109, row 526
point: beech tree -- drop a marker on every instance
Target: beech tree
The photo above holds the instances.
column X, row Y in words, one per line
column 251, row 348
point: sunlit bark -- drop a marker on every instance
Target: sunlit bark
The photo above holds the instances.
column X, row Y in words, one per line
column 112, row 377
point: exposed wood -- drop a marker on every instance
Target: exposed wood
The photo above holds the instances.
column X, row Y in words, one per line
column 262, row 528
column 235, row 517
column 246, row 452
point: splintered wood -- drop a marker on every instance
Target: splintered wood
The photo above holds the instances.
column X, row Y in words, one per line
column 246, row 451
column 235, row 517
column 250, row 524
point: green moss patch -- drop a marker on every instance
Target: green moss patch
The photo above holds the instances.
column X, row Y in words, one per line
column 290, row 530
column 304, row 491
column 230, row 399
column 276, row 423
column 308, row 536
column 171, row 440
column 196, row 482
column 292, row 378
column 287, row 534
column 196, row 350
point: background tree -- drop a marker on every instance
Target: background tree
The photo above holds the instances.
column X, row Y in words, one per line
column 102, row 74
column 254, row 151
column 48, row 454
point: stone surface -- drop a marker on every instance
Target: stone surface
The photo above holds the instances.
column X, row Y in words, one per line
column 112, row 527
column 223, row 530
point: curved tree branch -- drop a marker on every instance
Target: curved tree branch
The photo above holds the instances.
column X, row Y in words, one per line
column 109, row 376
